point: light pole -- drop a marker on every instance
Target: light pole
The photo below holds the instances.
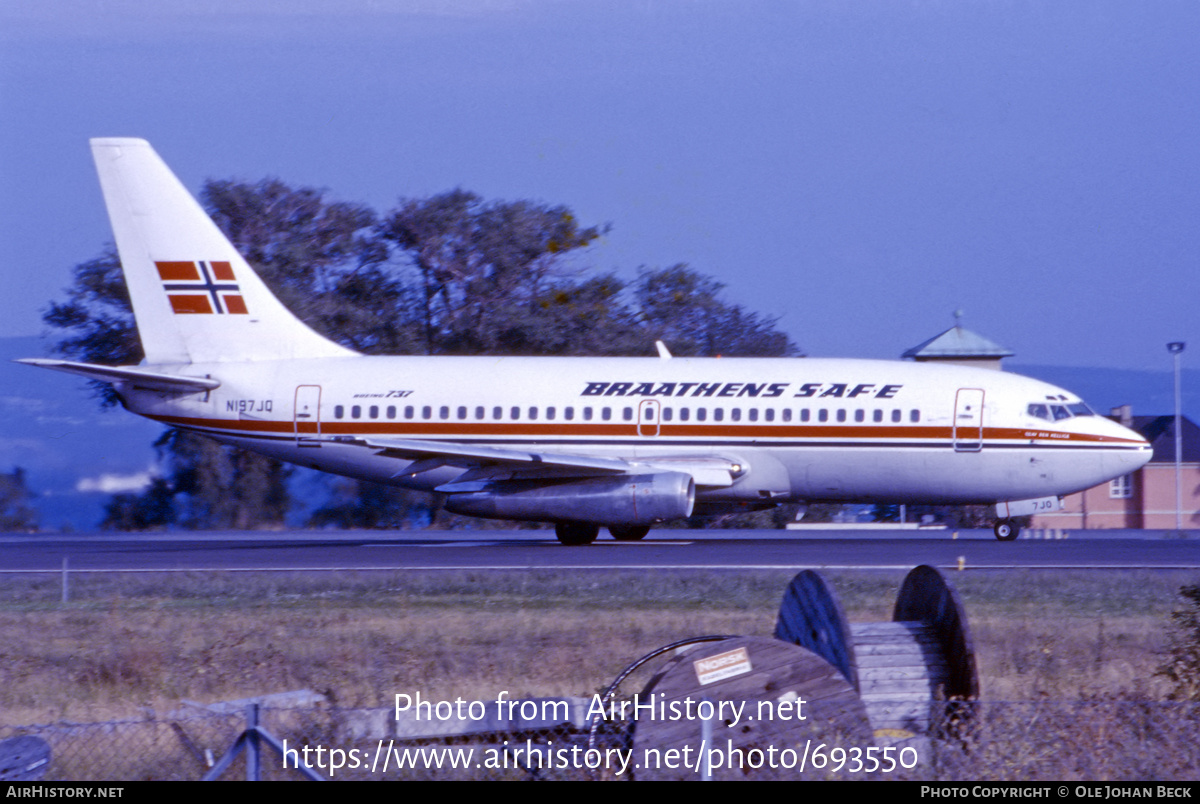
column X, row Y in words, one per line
column 1176, row 349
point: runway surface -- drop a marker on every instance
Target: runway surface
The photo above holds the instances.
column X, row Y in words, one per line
column 520, row 550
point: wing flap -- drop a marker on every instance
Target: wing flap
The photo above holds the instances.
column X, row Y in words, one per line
column 484, row 464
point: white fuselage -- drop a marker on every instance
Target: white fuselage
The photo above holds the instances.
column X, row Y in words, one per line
column 799, row 429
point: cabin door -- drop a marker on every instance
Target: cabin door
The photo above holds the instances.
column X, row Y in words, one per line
column 308, row 416
column 649, row 412
column 968, row 420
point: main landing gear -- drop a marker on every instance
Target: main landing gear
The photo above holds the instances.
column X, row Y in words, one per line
column 576, row 533
column 1006, row 530
column 580, row 533
column 629, row 533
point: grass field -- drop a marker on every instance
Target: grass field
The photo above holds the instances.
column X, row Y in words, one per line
column 127, row 642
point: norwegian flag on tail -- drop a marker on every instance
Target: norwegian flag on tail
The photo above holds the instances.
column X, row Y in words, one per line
column 201, row 288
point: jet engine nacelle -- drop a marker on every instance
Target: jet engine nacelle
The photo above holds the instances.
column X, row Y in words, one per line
column 620, row 500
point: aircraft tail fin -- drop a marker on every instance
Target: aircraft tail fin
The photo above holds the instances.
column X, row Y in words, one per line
column 196, row 300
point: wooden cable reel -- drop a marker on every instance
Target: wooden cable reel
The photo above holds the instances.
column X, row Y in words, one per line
column 908, row 672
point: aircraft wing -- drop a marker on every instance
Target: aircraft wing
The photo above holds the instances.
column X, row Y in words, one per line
column 140, row 378
column 484, row 464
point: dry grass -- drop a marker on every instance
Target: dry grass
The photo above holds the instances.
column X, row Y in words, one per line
column 130, row 642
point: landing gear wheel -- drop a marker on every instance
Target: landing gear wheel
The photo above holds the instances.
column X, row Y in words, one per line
column 576, row 533
column 629, row 533
column 1005, row 530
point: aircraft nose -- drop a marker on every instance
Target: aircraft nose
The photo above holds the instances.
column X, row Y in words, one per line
column 1140, row 451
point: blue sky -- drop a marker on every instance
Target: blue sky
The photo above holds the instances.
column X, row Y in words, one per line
column 858, row 169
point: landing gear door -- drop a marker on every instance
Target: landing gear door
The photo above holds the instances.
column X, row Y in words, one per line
column 308, row 416
column 968, row 420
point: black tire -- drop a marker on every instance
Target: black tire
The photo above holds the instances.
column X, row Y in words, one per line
column 575, row 534
column 629, row 533
column 1005, row 530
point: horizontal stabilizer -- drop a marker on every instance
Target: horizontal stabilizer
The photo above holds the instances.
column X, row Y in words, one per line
column 139, row 378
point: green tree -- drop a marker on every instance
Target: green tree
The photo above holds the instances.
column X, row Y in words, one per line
column 483, row 267
column 153, row 509
column 16, row 510
column 324, row 260
column 97, row 319
column 683, row 308
column 1182, row 668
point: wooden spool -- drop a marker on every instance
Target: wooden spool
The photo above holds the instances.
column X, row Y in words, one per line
column 766, row 675
column 904, row 670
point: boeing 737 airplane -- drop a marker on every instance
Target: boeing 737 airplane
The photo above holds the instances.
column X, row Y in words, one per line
column 624, row 443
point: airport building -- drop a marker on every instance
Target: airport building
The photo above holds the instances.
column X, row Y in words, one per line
column 959, row 346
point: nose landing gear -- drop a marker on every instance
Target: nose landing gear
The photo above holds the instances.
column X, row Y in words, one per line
column 1006, row 530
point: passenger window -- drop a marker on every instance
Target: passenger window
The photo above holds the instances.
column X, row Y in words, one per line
column 701, row 414
column 606, row 414
column 667, row 414
column 896, row 415
column 718, row 414
column 497, row 412
column 549, row 413
column 444, row 411
column 479, row 412
column 587, row 414
column 355, row 412
column 533, row 413
column 787, row 414
column 391, row 411
column 627, row 414
column 878, row 415
column 684, row 413
column 338, row 411
column 568, row 413
column 841, row 414
column 822, row 415
column 374, row 411
column 770, row 414
column 804, row 415
column 408, row 411
column 914, row 416
column 736, row 414
column 426, row 412
column 462, row 411
column 516, row 413
column 860, row 415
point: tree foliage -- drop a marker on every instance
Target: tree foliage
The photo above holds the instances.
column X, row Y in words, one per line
column 16, row 509
column 1182, row 667
column 449, row 274
column 484, row 267
column 97, row 319
column 684, row 309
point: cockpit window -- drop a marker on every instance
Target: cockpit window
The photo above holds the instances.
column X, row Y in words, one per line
column 1039, row 410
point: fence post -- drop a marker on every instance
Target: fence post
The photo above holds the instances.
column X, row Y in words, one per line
column 253, row 745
